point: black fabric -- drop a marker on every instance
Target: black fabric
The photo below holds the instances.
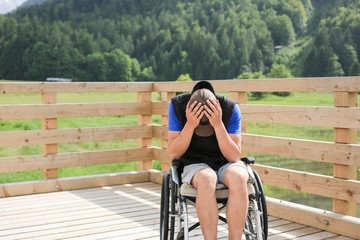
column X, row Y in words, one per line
column 203, row 149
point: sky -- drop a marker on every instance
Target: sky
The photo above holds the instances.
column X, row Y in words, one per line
column 9, row 5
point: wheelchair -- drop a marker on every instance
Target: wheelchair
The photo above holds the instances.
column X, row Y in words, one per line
column 175, row 198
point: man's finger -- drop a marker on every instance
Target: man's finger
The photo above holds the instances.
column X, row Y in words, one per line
column 191, row 107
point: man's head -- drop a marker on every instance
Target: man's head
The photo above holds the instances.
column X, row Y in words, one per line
column 201, row 96
column 204, row 129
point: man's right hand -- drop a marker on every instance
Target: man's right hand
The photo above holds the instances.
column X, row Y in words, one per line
column 194, row 113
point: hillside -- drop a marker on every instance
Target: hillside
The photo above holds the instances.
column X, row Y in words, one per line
column 139, row 40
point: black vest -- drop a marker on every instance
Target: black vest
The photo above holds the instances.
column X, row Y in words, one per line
column 203, row 149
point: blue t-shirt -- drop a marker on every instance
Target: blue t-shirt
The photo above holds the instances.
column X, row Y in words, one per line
column 233, row 127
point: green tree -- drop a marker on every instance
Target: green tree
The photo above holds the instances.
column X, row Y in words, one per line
column 281, row 28
column 347, row 58
column 280, row 71
column 256, row 75
column 355, row 69
column 184, row 78
column 119, row 66
column 96, row 67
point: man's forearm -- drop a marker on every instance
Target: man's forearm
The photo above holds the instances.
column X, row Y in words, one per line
column 181, row 143
column 228, row 147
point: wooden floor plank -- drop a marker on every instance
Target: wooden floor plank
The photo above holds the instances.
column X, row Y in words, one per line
column 129, row 211
column 317, row 236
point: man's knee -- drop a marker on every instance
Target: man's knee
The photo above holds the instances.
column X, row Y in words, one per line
column 236, row 178
column 205, row 179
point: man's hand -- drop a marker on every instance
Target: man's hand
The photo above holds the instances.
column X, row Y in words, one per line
column 194, row 113
column 214, row 113
column 179, row 141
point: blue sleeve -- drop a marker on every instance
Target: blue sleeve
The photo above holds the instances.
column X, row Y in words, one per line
column 173, row 121
column 234, row 124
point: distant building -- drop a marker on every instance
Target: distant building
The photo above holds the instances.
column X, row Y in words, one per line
column 58, row 79
column 277, row 48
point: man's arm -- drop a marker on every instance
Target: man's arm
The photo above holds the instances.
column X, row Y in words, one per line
column 179, row 141
column 230, row 144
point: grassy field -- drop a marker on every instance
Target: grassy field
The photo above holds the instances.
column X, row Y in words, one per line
column 301, row 132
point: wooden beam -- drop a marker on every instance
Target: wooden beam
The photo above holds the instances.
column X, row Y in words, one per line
column 156, row 176
column 64, row 184
column 71, row 110
column 160, row 108
column 241, row 98
column 289, row 147
column 327, row 186
column 62, row 160
column 347, row 154
column 161, row 155
column 79, row 87
column 345, row 135
column 49, row 124
column 71, row 135
column 144, row 119
column 165, row 99
column 324, row 84
column 317, row 218
column 159, row 131
column 299, row 115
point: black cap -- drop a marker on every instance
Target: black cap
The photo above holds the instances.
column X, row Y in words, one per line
column 203, row 84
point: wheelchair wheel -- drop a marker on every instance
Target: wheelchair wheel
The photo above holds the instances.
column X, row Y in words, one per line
column 256, row 224
column 164, row 208
column 173, row 199
column 261, row 201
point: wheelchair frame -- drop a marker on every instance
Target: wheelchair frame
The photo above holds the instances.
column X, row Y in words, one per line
column 174, row 205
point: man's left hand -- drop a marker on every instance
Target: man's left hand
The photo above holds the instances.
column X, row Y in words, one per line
column 214, row 112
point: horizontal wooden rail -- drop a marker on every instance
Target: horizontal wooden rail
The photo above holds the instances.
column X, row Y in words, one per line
column 346, row 154
column 161, row 155
column 71, row 110
column 63, row 160
column 327, row 186
column 38, row 137
column 160, row 108
column 317, row 218
column 346, row 84
column 75, row 87
column 296, row 115
column 71, row 183
column 160, row 132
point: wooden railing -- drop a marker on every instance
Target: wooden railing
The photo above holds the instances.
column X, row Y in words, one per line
column 343, row 152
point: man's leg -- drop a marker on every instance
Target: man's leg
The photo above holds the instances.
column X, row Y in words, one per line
column 205, row 181
column 236, row 179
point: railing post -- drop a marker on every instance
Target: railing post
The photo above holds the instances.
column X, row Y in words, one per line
column 241, row 98
column 345, row 135
column 144, row 120
column 165, row 97
column 48, row 124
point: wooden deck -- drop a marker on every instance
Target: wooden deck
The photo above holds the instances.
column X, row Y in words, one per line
column 128, row 211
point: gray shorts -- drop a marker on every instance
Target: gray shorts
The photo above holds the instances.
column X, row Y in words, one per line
column 190, row 170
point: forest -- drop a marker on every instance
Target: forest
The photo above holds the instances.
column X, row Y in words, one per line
column 159, row 40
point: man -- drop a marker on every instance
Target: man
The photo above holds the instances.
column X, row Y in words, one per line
column 205, row 134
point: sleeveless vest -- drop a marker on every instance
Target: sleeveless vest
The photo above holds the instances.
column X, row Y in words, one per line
column 203, row 149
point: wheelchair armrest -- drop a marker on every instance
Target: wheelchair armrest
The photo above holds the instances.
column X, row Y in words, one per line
column 248, row 160
column 174, row 175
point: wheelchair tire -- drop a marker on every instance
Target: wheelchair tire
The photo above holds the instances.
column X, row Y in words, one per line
column 173, row 199
column 164, row 208
column 261, row 200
